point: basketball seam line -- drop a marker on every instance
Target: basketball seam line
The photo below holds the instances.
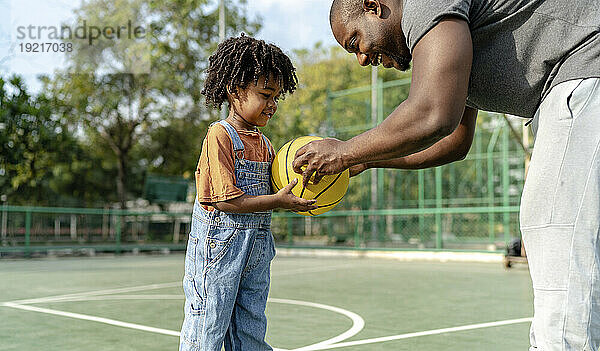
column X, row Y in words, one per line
column 273, row 182
column 322, row 206
column 287, row 153
column 329, row 186
column 331, row 204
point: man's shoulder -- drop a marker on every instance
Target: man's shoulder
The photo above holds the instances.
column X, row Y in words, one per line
column 420, row 16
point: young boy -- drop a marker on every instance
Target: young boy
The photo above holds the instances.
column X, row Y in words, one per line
column 230, row 246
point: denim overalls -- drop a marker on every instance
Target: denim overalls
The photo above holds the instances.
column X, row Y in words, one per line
column 227, row 268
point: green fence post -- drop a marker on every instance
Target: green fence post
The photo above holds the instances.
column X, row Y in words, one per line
column 27, row 233
column 357, row 233
column 118, row 233
column 380, row 171
column 380, row 111
column 289, row 230
column 490, row 185
column 329, row 117
column 438, row 204
column 421, row 186
column 478, row 153
column 505, row 183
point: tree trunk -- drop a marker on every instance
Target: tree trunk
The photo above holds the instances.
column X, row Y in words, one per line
column 121, row 179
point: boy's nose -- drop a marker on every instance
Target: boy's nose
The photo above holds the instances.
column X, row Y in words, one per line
column 363, row 59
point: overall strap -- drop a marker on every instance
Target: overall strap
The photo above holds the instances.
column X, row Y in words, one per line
column 268, row 146
column 233, row 134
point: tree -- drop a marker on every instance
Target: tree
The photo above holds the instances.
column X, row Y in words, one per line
column 174, row 148
column 186, row 34
column 125, row 106
column 38, row 151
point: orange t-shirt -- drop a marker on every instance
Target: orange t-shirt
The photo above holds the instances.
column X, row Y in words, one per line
column 215, row 175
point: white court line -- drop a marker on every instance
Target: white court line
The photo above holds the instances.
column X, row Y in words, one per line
column 413, row 335
column 325, row 345
column 93, row 319
column 179, row 297
column 160, row 286
column 100, row 320
column 357, row 322
column 97, row 292
column 79, row 296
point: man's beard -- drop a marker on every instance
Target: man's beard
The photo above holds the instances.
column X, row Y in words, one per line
column 402, row 61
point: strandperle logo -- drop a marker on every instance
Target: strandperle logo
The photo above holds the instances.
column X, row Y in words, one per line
column 83, row 31
column 45, row 36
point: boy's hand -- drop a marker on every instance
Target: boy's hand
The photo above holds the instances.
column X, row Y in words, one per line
column 289, row 201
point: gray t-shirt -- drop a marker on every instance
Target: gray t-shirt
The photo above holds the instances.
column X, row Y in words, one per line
column 521, row 48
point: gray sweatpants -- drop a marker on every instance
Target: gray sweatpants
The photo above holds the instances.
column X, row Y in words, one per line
column 560, row 219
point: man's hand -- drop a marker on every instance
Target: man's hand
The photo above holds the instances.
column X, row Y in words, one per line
column 358, row 169
column 321, row 158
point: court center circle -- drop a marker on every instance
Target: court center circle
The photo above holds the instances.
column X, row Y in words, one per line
column 358, row 322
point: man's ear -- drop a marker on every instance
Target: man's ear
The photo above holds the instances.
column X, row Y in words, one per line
column 372, row 6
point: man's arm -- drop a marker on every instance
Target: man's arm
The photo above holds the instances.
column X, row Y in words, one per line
column 454, row 147
column 434, row 108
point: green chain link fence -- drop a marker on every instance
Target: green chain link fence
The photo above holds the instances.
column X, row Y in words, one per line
column 468, row 205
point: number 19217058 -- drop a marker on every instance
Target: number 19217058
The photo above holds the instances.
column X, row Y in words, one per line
column 46, row 47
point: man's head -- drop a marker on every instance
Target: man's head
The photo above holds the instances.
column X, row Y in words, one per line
column 372, row 30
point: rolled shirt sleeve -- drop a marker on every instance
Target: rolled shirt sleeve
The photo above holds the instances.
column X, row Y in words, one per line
column 215, row 175
column 420, row 16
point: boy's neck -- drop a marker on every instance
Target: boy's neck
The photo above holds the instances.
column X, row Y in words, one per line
column 238, row 122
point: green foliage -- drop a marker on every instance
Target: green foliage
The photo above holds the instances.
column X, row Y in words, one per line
column 184, row 34
column 174, row 148
column 41, row 162
column 145, row 118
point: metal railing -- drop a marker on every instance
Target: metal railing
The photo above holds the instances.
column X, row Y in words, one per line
column 28, row 230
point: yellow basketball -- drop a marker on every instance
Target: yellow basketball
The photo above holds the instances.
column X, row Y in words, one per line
column 330, row 190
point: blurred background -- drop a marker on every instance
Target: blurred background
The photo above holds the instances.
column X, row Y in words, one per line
column 99, row 143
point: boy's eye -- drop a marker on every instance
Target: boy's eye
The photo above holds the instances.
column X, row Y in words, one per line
column 352, row 43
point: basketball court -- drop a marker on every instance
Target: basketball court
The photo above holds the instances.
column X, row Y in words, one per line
column 136, row 303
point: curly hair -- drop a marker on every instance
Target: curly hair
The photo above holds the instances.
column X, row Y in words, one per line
column 242, row 60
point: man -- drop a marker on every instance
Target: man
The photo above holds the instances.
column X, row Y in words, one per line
column 533, row 58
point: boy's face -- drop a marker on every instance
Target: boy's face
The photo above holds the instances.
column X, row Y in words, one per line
column 257, row 103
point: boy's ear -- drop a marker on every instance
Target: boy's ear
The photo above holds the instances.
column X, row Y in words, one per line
column 231, row 91
column 372, row 6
